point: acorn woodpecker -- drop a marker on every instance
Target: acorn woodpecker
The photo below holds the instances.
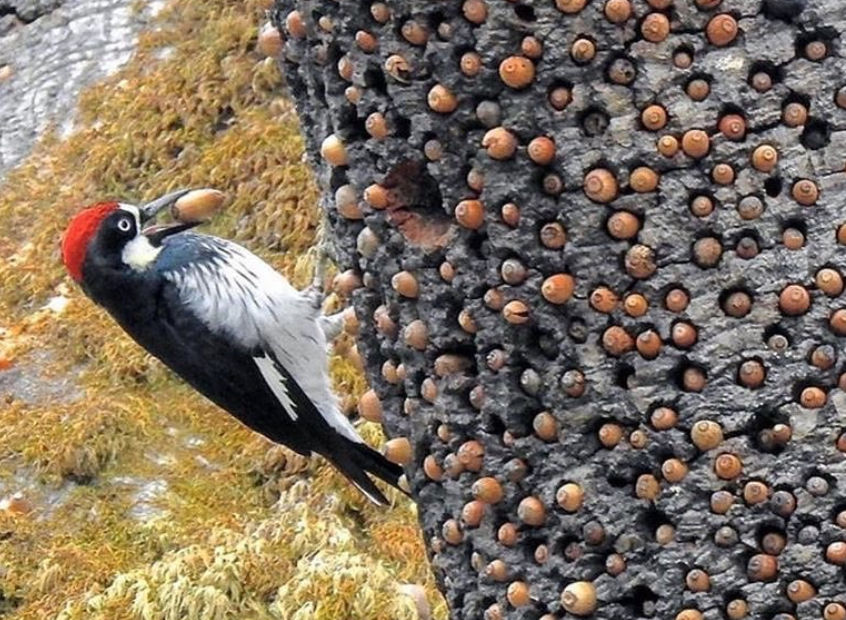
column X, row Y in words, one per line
column 227, row 323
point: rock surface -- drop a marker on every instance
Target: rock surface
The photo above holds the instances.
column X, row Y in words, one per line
column 49, row 50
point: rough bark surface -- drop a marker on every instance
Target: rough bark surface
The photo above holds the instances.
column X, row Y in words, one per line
column 49, row 50
column 661, row 501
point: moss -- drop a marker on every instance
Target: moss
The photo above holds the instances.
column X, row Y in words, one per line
column 148, row 502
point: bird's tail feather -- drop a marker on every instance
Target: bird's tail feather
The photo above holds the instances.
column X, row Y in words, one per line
column 358, row 460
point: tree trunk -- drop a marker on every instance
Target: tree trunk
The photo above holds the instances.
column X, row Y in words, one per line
column 602, row 289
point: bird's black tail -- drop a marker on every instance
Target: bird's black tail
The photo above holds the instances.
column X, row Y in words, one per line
column 356, row 460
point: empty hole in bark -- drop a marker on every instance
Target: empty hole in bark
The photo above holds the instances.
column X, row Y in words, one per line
column 578, row 330
column 773, row 186
column 374, row 78
column 622, row 374
column 419, row 213
column 816, row 135
column 640, row 602
column 594, row 121
column 525, row 12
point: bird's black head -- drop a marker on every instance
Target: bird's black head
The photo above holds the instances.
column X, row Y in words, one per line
column 111, row 235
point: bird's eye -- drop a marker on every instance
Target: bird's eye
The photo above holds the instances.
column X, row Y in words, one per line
column 124, row 224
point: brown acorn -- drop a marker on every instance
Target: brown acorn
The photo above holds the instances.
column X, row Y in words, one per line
column 487, row 490
column 794, row 300
column 668, row 145
column 472, row 513
column 583, row 50
column 370, row 407
column 762, row 567
column 654, row 117
column 732, row 126
column 829, row 281
column 695, row 143
column 638, row 439
column 416, row 335
column 794, row 114
column 470, row 214
column 737, row 609
column 405, row 284
column 553, row 236
column 414, row 33
column 684, row 334
column 755, row 492
column 835, row 553
column 516, row 312
column 728, row 466
column 674, row 470
column 295, row 25
column 663, row 418
column 570, row 497
column 475, row 11
column 800, row 591
column 722, row 174
column 702, row 206
column 579, row 598
column 812, row 397
column 647, row 487
column 706, row 435
column 432, row 469
column 721, row 502
column 507, row 534
column 541, row 150
column 510, row 214
column 837, row 322
column 617, row 341
column 648, row 344
column 441, row 99
column 517, row 72
column 600, row 185
column 698, row 89
column 545, row 426
column 398, row 450
column 530, row 510
column 643, row 180
column 617, row 11
column 560, row 97
column 333, row 150
column 640, row 261
column 531, row 47
column 451, row 532
column 610, row 434
column 834, row 611
column 471, row 455
column 721, row 30
column 805, row 192
column 570, row 6
column 635, row 304
column 765, row 158
column 676, row 300
column 499, row 143
column 603, row 299
column 655, row 27
column 697, row 580
column 518, row 594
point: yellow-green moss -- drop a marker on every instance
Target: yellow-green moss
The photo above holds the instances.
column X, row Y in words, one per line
column 148, row 502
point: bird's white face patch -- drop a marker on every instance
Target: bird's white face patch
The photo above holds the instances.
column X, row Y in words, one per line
column 139, row 252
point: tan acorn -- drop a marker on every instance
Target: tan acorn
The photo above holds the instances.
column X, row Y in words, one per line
column 198, row 205
column 579, row 598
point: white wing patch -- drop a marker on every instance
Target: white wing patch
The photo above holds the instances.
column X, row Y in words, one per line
column 235, row 293
column 277, row 383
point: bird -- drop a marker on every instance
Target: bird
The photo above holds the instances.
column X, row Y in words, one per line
column 227, row 323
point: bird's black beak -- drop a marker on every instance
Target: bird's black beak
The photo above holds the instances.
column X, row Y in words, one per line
column 156, row 234
column 151, row 209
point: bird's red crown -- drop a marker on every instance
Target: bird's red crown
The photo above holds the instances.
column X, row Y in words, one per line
column 79, row 233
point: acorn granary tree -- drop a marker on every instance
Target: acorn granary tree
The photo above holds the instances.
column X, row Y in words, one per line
column 598, row 253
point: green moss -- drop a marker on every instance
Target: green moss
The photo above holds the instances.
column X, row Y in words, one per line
column 148, row 502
